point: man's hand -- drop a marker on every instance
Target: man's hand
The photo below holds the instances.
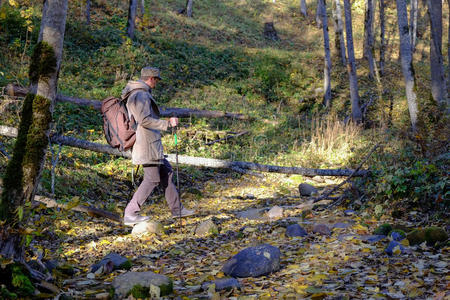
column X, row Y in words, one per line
column 173, row 121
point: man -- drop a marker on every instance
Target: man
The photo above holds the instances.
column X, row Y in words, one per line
column 148, row 150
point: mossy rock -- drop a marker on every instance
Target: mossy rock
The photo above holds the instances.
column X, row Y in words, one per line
column 397, row 234
column 431, row 235
column 139, row 292
column 383, row 229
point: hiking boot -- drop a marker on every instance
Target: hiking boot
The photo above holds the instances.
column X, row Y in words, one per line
column 134, row 219
column 184, row 213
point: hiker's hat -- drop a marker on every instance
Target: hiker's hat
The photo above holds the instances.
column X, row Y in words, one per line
column 151, row 72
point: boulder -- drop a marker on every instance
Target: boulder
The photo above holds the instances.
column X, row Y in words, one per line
column 110, row 262
column 142, row 285
column 306, row 189
column 321, row 229
column 206, row 228
column 222, row 284
column 394, row 248
column 147, row 227
column 341, row 225
column 275, row 212
column 295, row 230
column 253, row 262
column 431, row 235
column 397, row 235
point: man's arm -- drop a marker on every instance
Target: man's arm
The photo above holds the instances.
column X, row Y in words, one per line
column 141, row 110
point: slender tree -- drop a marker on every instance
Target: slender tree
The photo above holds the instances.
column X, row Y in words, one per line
column 368, row 36
column 382, row 35
column 131, row 24
column 319, row 14
column 438, row 85
column 88, row 12
column 406, row 61
column 24, row 169
column 339, row 41
column 448, row 50
column 141, row 8
column 303, row 8
column 351, row 65
column 413, row 13
column 326, row 47
column 189, row 4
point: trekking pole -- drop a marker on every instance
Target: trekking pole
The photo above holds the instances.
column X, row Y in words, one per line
column 174, row 131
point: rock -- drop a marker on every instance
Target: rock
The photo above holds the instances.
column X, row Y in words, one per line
column 253, row 262
column 397, row 235
column 349, row 212
column 306, row 189
column 141, row 284
column 250, row 196
column 110, row 262
column 252, row 214
column 383, row 229
column 341, row 225
column 394, row 248
column 275, row 212
column 206, row 228
column 431, row 235
column 321, row 229
column 374, row 238
column 295, row 230
column 147, row 227
column 222, row 284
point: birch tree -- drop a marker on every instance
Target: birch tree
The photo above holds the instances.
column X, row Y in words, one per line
column 406, row 61
column 141, row 4
column 24, row 169
column 339, row 41
column 436, row 59
column 319, row 14
column 368, row 36
column 413, row 12
column 382, row 35
column 189, row 4
column 303, row 8
column 131, row 23
column 326, row 47
column 351, row 65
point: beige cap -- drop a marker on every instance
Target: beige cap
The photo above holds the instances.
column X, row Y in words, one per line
column 151, row 72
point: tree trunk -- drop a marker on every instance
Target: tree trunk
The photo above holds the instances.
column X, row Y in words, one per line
column 141, row 8
column 368, row 37
column 303, row 8
column 339, row 40
column 413, row 24
column 319, row 14
column 406, row 61
column 382, row 36
column 351, row 65
column 194, row 161
column 326, row 47
column 189, row 4
column 448, row 50
column 131, row 24
column 438, row 84
column 24, row 169
column 88, row 12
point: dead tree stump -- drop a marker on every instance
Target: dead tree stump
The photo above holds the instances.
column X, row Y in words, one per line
column 269, row 32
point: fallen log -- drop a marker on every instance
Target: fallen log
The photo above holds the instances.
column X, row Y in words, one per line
column 14, row 90
column 200, row 161
column 228, row 137
column 90, row 210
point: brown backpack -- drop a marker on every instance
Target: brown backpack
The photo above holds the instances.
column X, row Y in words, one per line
column 119, row 129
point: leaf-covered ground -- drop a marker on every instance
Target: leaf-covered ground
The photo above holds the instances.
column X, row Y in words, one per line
column 316, row 266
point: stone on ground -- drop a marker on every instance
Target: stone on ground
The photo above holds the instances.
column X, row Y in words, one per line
column 205, row 228
column 394, row 248
column 253, row 262
column 295, row 230
column 321, row 229
column 222, row 284
column 143, row 281
column 147, row 227
column 306, row 189
column 341, row 225
column 275, row 212
column 110, row 262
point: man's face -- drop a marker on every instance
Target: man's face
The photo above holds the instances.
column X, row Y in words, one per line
column 152, row 81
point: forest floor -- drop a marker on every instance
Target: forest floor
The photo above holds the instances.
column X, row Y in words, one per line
column 343, row 264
